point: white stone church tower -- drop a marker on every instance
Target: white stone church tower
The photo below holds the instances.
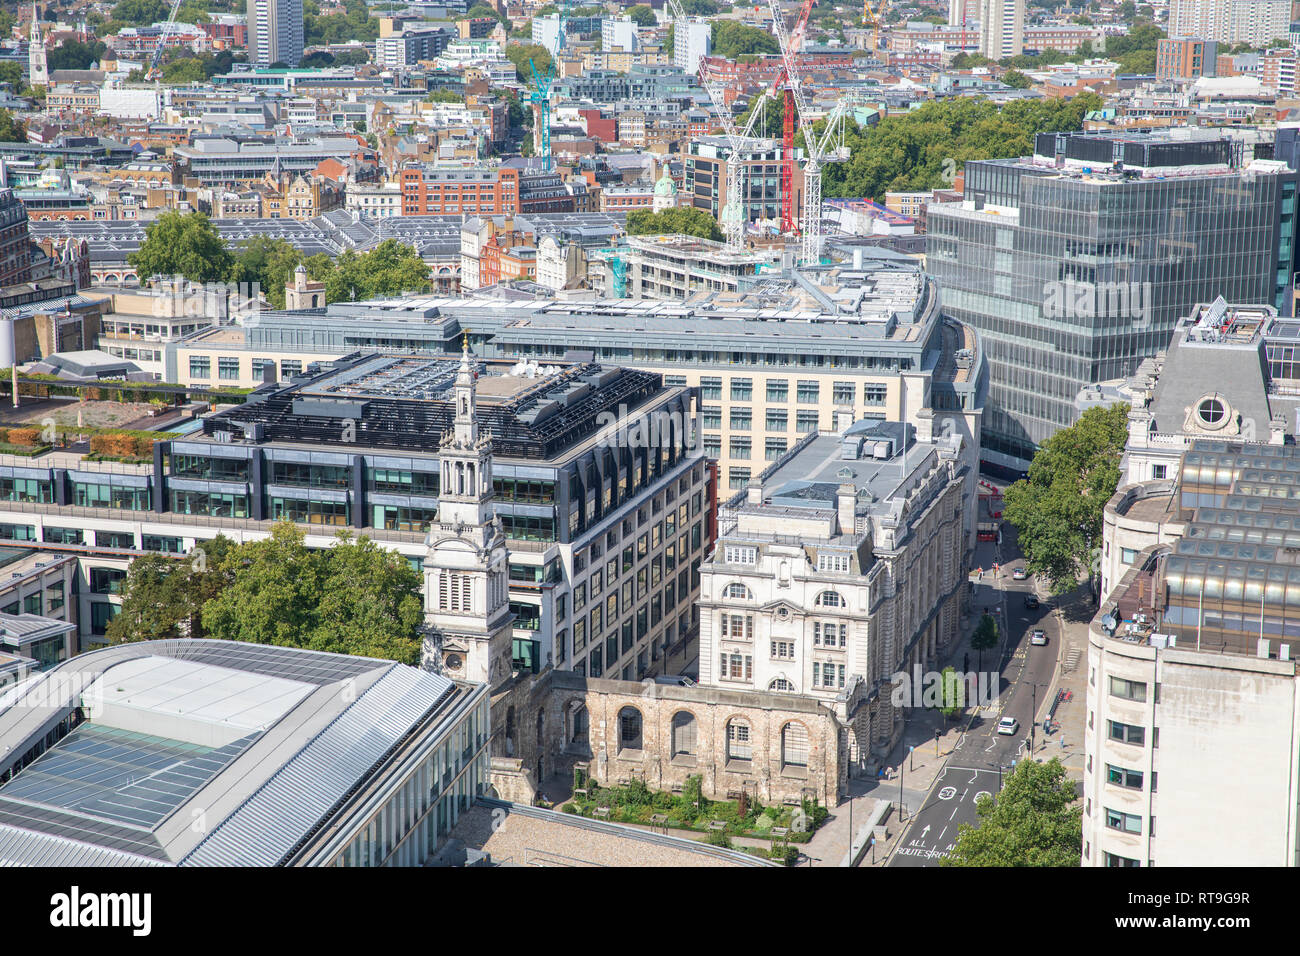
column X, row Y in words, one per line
column 467, row 598
column 38, row 73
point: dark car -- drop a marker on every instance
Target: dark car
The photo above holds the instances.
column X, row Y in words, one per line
column 1031, row 602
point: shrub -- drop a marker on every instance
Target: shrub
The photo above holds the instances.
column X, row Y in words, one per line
column 785, row 855
column 23, row 436
column 718, row 838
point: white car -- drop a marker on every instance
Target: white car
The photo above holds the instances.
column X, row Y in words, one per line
column 1008, row 725
column 1038, row 638
column 1019, row 574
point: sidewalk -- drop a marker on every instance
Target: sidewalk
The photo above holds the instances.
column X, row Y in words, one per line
column 1073, row 611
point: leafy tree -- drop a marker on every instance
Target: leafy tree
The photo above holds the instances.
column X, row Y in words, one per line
column 984, row 639
column 11, row 130
column 684, row 220
column 270, row 263
column 918, row 150
column 520, row 53
column 140, row 12
column 1017, row 80
column 351, row 57
column 355, row 24
column 162, row 597
column 1033, row 821
column 12, row 73
column 74, row 55
column 444, row 96
column 1135, row 50
column 187, row 70
column 699, row 8
column 952, row 694
column 317, row 60
column 968, row 61
column 481, row 11
column 732, row 39
column 391, row 268
column 274, row 587
column 1058, row 511
column 369, row 603
column 183, row 244
column 642, row 15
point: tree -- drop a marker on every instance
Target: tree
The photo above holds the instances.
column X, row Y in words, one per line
column 952, row 691
column 162, row 597
column 1017, row 80
column 274, row 587
column 732, row 39
column 270, row 263
column 11, row 130
column 12, row 74
column 74, row 55
column 1058, row 511
column 642, row 15
column 521, row 53
column 1033, row 821
column 444, row 96
column 684, row 220
column 183, row 244
column 391, row 268
column 317, row 60
column 140, row 13
column 985, row 638
column 369, row 604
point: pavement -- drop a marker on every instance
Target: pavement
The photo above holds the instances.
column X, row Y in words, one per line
column 974, row 757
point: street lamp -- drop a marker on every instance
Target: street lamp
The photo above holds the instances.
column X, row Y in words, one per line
column 901, row 807
column 1033, row 716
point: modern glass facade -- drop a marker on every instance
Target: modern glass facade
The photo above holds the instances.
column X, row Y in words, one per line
column 1072, row 279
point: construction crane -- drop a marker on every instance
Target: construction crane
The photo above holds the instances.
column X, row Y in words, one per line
column 153, row 72
column 872, row 17
column 731, row 214
column 541, row 94
column 819, row 152
column 787, row 132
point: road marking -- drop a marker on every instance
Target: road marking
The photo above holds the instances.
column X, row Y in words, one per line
column 941, row 833
column 947, row 793
column 925, row 831
column 954, row 811
column 972, row 780
column 982, row 793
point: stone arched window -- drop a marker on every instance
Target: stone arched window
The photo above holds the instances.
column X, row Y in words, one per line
column 738, row 591
column 830, row 599
column 629, row 729
column 541, row 724
column 740, row 742
column 579, row 724
column 794, row 745
column 684, row 734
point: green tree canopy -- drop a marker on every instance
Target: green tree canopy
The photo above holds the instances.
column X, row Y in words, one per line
column 355, row 24
column 183, row 244
column 1017, row 80
column 952, row 694
column 683, row 220
column 140, row 12
column 11, row 72
column 985, row 638
column 11, row 130
column 163, row 597
column 390, row 268
column 1033, row 821
column 642, row 15
column 915, row 150
column 1058, row 511
column 520, row 53
column 732, row 39
column 74, row 55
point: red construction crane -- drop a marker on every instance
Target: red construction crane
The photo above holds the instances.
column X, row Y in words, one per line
column 788, row 109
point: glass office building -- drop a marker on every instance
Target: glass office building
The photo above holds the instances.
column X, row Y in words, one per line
column 1078, row 263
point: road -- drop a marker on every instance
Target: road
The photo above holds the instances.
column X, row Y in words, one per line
column 1023, row 674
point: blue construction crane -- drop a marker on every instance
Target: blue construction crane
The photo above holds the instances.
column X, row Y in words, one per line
column 541, row 94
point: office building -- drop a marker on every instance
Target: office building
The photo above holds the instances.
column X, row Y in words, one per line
column 288, row 757
column 479, row 188
column 692, row 42
column 275, row 32
column 1192, row 668
column 619, row 33
column 787, row 355
column 845, row 563
column 408, row 48
column 708, row 165
column 1183, row 58
column 1077, row 263
column 1002, row 28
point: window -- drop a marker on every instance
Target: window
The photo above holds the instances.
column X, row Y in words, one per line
column 629, row 729
column 711, row 416
column 737, row 591
column 1119, row 861
column 838, row 563
column 1127, row 733
column 742, row 418
column 830, row 634
column 806, row 393
column 228, row 367
column 106, row 580
column 1212, row 412
column 794, row 745
column 742, row 389
column 100, row 614
column 1132, row 779
column 683, row 734
column 1128, row 555
column 805, row 421
column 63, row 535
column 778, row 419
column 32, row 604
column 739, row 744
column 738, row 478
column 1159, row 471
column 736, row 666
column 740, row 448
column 1128, row 689
column 774, row 448
column 874, row 394
column 1128, row 822
column 200, row 366
column 783, row 650
column 780, row 684
column 737, row 627
column 711, row 387
column 734, row 554
column 842, row 393
column 778, row 390
column 712, row 445
column 830, row 599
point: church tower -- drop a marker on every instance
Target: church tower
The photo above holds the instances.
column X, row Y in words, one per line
column 38, row 73
column 467, row 597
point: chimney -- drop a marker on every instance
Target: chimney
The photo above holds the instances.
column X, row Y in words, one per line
column 925, row 424
column 846, row 500
column 754, row 492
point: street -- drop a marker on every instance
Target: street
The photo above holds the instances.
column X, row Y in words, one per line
column 1025, row 673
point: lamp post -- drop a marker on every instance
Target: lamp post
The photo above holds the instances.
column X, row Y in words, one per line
column 901, row 808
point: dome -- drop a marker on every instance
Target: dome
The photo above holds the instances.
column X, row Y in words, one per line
column 665, row 186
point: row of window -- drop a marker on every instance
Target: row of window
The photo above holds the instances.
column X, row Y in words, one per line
column 806, row 392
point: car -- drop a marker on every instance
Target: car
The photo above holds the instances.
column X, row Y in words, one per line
column 1008, row 725
column 1031, row 602
column 1038, row 637
column 675, row 680
column 1019, row 574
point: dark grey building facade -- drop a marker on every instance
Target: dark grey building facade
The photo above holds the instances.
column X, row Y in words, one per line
column 1078, row 263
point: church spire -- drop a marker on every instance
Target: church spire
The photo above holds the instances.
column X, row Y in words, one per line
column 37, row 72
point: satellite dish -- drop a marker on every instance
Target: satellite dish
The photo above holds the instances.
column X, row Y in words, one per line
column 1109, row 624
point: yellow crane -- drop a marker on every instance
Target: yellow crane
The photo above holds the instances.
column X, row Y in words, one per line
column 872, row 17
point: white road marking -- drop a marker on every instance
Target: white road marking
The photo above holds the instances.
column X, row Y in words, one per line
column 947, row 793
